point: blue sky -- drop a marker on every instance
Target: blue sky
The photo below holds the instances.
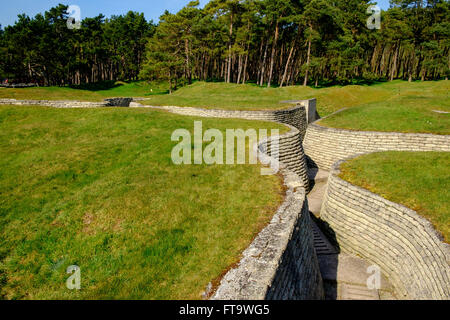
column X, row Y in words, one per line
column 90, row 8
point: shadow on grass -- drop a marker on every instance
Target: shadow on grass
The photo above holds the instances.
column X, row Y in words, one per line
column 98, row 86
column 156, row 88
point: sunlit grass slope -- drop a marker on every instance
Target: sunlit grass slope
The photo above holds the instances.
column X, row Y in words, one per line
column 97, row 188
column 330, row 99
column 410, row 108
column 252, row 97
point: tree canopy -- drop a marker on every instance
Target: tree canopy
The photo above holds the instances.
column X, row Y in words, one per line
column 42, row 49
column 280, row 42
column 269, row 42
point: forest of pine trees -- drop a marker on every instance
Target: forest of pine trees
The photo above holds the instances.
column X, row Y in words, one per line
column 44, row 50
column 269, row 42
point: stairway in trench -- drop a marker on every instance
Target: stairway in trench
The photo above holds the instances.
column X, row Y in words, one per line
column 344, row 275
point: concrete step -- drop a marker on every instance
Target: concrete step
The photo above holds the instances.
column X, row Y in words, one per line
column 321, row 243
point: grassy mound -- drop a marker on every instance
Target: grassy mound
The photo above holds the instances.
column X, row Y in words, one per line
column 97, row 188
column 418, row 180
column 409, row 108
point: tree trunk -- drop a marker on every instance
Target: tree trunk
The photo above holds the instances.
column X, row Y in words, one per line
column 188, row 69
column 287, row 65
column 260, row 62
column 263, row 69
column 229, row 49
column 222, row 70
column 394, row 67
column 239, row 69
column 245, row 69
column 273, row 54
column 308, row 59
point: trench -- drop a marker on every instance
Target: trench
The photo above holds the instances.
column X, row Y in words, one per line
column 344, row 275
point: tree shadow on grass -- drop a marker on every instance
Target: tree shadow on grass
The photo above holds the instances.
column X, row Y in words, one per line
column 98, row 86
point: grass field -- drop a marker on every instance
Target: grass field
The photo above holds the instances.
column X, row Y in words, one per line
column 330, row 99
column 97, row 188
column 418, row 180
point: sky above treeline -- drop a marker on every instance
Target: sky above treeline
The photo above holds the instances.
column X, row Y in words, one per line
column 91, row 8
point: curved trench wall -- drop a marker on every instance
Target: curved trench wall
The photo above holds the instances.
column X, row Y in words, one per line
column 296, row 116
column 324, row 146
column 281, row 263
column 396, row 238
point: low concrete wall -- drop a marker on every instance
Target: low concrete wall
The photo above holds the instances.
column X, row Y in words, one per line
column 281, row 263
column 402, row 243
column 18, row 85
column 111, row 102
column 324, row 146
column 54, row 103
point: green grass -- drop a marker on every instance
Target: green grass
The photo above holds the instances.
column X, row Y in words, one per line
column 391, row 106
column 97, row 188
column 252, row 97
column 96, row 92
column 388, row 106
column 418, row 180
column 330, row 99
column 408, row 109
